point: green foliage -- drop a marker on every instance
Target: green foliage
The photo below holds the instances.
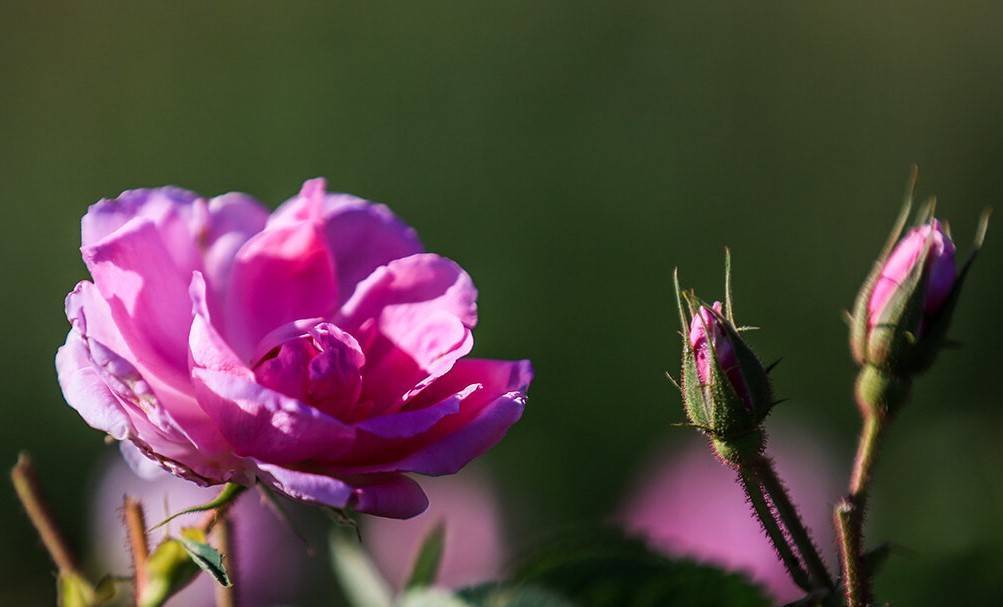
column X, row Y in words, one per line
column 205, row 556
column 605, row 569
column 512, row 595
column 426, row 565
column 360, row 582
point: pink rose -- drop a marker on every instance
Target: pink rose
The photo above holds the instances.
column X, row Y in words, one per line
column 707, row 322
column 905, row 256
column 318, row 350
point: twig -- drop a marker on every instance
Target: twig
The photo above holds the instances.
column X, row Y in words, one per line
column 28, row 491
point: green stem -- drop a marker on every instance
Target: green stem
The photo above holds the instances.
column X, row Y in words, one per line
column 226, row 596
column 753, row 489
column 855, row 588
column 849, row 515
column 792, row 522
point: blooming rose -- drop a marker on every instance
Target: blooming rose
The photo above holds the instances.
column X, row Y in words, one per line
column 318, row 350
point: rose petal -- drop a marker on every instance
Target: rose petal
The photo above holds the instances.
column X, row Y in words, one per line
column 393, row 496
column 147, row 296
column 413, row 318
column 170, row 209
column 361, row 235
column 87, row 392
column 280, row 275
column 492, row 398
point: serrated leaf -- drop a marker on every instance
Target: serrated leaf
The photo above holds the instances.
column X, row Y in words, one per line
column 602, row 568
column 425, row 570
column 360, row 581
column 205, row 556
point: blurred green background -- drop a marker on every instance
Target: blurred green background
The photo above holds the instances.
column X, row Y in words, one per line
column 568, row 155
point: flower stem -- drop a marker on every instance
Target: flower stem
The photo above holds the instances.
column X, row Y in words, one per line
column 29, row 493
column 135, row 526
column 849, row 540
column 226, row 596
column 849, row 514
column 767, row 517
column 788, row 514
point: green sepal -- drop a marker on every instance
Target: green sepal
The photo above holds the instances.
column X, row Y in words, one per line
column 72, row 590
column 205, row 556
column 229, row 493
column 935, row 336
column 892, row 338
column 859, row 319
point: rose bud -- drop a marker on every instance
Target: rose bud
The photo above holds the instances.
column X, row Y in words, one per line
column 725, row 388
column 902, row 313
column 317, row 350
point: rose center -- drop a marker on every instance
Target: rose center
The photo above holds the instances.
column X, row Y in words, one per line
column 320, row 365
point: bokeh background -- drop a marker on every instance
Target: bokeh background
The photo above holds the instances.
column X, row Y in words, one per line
column 568, row 155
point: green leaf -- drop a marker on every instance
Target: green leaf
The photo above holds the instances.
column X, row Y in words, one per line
column 426, row 565
column 511, row 595
column 602, row 568
column 361, row 583
column 229, row 492
column 205, row 556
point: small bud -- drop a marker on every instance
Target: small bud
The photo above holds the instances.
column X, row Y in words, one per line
column 725, row 388
column 903, row 310
column 168, row 570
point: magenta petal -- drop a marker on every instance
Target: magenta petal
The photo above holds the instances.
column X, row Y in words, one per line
column 414, row 318
column 147, row 296
column 326, row 490
column 361, row 235
column 393, row 496
column 449, row 454
column 492, row 398
column 265, row 424
column 282, row 274
column 406, row 424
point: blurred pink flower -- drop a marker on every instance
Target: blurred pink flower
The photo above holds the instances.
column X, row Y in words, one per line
column 317, row 349
column 271, row 561
column 688, row 504
column 475, row 548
